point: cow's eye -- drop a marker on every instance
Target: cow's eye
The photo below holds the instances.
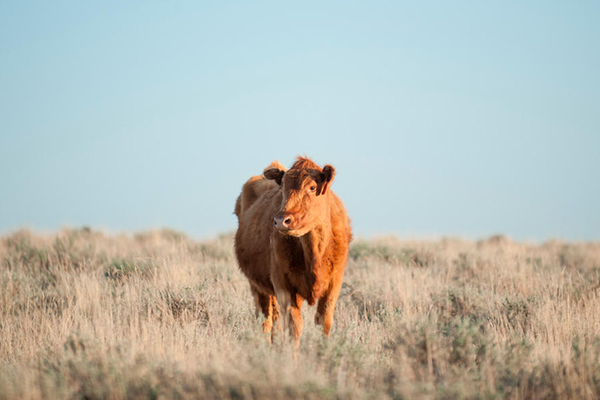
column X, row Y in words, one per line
column 313, row 188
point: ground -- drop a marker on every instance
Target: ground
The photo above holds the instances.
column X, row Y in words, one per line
column 84, row 314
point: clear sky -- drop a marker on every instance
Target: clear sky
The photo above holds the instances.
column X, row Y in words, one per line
column 464, row 118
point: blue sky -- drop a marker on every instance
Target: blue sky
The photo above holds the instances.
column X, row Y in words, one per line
column 463, row 118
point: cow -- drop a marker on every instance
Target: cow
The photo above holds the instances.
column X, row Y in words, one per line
column 292, row 243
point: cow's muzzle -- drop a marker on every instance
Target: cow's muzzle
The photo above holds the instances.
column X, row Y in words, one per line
column 283, row 221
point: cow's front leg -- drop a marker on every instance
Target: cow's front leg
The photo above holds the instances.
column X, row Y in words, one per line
column 327, row 302
column 265, row 305
column 296, row 324
column 290, row 307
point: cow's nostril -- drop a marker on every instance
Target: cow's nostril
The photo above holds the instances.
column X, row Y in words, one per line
column 287, row 221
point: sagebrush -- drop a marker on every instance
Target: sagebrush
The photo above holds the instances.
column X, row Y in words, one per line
column 87, row 315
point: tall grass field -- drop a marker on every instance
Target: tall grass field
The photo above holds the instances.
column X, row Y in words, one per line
column 157, row 315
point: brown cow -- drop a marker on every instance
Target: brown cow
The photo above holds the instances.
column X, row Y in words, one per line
column 292, row 243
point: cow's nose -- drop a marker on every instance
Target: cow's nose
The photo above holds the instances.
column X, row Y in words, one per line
column 283, row 221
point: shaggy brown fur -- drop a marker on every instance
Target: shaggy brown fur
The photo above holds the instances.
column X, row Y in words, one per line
column 292, row 242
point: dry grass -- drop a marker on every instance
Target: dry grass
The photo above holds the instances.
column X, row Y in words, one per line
column 157, row 315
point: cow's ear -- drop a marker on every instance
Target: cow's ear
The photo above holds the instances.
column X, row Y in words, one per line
column 274, row 174
column 325, row 177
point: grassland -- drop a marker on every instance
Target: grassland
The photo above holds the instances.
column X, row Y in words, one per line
column 85, row 315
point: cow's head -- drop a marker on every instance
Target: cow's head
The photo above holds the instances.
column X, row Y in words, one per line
column 304, row 196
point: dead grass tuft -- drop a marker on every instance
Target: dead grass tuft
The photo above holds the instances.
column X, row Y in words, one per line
column 159, row 315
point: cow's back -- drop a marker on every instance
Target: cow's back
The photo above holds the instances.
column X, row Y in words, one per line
column 340, row 225
column 255, row 208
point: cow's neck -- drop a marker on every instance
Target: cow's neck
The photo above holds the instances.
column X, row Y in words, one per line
column 315, row 242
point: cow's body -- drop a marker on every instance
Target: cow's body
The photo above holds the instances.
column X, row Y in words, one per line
column 292, row 242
